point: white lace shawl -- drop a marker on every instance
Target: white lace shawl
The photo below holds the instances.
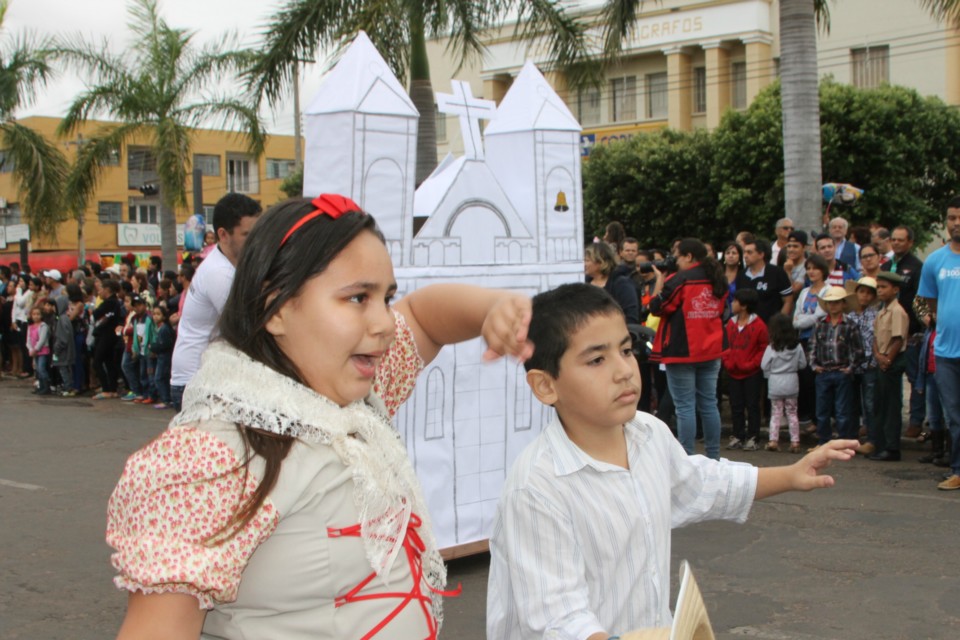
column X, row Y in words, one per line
column 233, row 387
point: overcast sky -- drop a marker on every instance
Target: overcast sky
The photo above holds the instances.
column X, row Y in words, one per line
column 99, row 19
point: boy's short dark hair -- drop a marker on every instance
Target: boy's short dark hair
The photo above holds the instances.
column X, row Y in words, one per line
column 747, row 298
column 557, row 314
column 229, row 210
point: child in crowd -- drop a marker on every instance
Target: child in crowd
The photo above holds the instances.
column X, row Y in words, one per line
column 890, row 333
column 836, row 350
column 144, row 333
column 65, row 349
column 747, row 337
column 581, row 540
column 865, row 376
column 38, row 346
column 162, row 350
column 782, row 361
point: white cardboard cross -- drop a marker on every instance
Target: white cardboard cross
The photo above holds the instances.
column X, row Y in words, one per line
column 471, row 110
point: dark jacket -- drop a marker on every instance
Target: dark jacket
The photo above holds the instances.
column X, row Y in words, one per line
column 64, row 346
column 691, row 325
column 622, row 289
column 747, row 345
column 909, row 266
column 163, row 343
column 106, row 317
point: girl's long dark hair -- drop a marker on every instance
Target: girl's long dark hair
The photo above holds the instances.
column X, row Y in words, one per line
column 783, row 336
column 711, row 267
column 269, row 274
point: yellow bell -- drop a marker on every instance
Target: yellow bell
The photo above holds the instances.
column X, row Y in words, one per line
column 561, row 202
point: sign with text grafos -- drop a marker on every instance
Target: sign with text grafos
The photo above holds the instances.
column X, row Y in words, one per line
column 143, row 235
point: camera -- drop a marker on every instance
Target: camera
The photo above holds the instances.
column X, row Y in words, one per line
column 668, row 265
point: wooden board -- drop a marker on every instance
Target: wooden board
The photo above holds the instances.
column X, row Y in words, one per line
column 464, row 550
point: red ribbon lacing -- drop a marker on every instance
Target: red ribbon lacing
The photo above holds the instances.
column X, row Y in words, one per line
column 413, row 547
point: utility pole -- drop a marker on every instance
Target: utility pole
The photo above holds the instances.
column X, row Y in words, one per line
column 297, row 134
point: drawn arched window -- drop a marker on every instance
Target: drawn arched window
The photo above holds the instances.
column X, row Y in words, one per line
column 433, row 430
column 522, row 404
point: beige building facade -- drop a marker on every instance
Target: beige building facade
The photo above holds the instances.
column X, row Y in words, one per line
column 687, row 62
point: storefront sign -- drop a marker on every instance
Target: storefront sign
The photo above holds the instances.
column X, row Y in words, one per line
column 3, row 237
column 143, row 235
column 17, row 232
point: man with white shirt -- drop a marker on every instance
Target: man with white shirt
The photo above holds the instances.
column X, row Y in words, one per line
column 233, row 218
column 783, row 230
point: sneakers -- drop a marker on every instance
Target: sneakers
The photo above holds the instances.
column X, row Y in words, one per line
column 68, row 394
column 950, row 484
column 129, row 396
column 160, row 405
column 751, row 445
column 144, row 400
column 734, row 443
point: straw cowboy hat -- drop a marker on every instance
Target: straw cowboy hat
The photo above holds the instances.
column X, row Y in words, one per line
column 831, row 294
column 866, row 281
column 690, row 622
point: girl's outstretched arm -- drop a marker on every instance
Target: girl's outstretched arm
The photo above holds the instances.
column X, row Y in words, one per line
column 448, row 313
column 169, row 616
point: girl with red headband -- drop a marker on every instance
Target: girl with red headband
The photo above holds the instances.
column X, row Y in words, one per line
column 281, row 503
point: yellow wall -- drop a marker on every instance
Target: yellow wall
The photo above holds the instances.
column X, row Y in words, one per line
column 113, row 186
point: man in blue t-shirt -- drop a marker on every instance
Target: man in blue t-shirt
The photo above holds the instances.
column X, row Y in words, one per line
column 940, row 287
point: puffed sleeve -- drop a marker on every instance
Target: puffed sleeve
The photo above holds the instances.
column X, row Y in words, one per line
column 167, row 515
column 399, row 368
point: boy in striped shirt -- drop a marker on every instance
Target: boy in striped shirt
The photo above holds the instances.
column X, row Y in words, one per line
column 581, row 542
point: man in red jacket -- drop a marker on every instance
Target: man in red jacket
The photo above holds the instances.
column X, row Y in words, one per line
column 747, row 337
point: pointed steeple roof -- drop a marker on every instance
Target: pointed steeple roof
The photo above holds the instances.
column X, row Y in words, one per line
column 362, row 82
column 531, row 104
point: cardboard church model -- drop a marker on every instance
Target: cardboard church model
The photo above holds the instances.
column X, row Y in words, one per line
column 506, row 214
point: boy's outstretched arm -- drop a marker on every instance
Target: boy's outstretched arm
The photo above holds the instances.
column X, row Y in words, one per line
column 448, row 313
column 804, row 475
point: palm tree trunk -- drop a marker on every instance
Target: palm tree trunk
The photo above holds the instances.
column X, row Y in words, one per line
column 801, row 114
column 81, row 240
column 168, row 233
column 421, row 93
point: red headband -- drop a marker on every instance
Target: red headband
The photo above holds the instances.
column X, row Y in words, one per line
column 330, row 204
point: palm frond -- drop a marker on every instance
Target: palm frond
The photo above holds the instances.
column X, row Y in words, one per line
column 944, row 10
column 39, row 171
column 618, row 18
column 94, row 61
column 822, row 10
column 100, row 99
column 211, row 62
column 24, row 70
column 466, row 22
column 172, row 150
column 563, row 36
column 293, row 34
column 238, row 116
column 93, row 157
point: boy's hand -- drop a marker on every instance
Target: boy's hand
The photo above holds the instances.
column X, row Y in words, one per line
column 505, row 329
column 806, row 474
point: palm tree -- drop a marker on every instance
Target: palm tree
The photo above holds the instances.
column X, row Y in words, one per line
column 400, row 29
column 38, row 167
column 801, row 109
column 146, row 89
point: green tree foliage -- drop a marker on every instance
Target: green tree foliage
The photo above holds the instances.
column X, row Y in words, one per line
column 895, row 144
column 292, row 185
column 39, row 169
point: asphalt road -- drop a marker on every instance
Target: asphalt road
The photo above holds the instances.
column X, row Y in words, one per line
column 873, row 558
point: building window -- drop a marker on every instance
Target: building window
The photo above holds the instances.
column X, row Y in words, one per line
column 699, row 90
column 588, row 106
column 10, row 213
column 738, row 71
column 623, row 94
column 279, row 169
column 141, row 168
column 208, row 214
column 6, row 162
column 109, row 212
column 657, row 106
column 433, row 430
column 242, row 175
column 441, row 119
column 870, row 66
column 209, row 165
column 143, row 211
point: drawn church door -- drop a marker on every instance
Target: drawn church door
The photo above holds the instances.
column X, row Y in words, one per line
column 478, row 225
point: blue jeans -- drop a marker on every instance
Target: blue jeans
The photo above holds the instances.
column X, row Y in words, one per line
column 41, row 366
column 835, row 394
column 948, row 378
column 146, row 376
column 176, row 396
column 131, row 371
column 694, row 389
column 161, row 377
column 934, row 407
